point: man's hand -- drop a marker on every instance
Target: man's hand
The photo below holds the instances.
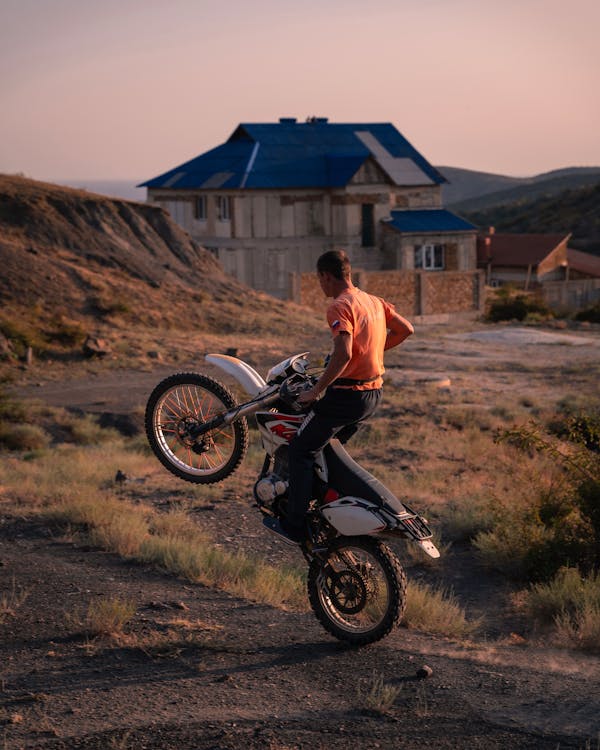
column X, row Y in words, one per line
column 342, row 352
column 307, row 397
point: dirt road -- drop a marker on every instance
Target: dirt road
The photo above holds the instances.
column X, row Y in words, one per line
column 199, row 669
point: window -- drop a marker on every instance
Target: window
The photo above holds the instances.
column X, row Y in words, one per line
column 368, row 224
column 224, row 208
column 429, row 257
column 200, row 208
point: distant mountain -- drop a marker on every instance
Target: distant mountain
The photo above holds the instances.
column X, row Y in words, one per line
column 476, row 191
column 468, row 183
column 576, row 211
column 112, row 188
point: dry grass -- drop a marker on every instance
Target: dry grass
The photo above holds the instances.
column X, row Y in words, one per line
column 11, row 601
column 436, row 611
column 570, row 603
column 73, row 488
column 377, row 696
column 108, row 617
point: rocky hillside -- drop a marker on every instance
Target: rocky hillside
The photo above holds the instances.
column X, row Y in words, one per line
column 571, row 211
column 469, row 190
column 73, row 263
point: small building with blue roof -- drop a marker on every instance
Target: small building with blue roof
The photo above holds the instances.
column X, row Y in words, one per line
column 274, row 196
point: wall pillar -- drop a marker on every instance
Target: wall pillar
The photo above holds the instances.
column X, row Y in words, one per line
column 422, row 304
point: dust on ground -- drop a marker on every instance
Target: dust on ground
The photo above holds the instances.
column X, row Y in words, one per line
column 241, row 673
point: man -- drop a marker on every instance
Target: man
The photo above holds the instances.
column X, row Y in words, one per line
column 362, row 326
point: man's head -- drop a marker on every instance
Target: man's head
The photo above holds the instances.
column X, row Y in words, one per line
column 334, row 272
column 336, row 263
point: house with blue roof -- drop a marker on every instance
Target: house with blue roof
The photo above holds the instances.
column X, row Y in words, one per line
column 274, row 196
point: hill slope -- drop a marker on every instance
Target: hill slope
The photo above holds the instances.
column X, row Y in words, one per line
column 74, row 263
column 576, row 211
column 470, row 190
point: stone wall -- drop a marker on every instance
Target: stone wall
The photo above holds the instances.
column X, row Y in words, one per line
column 414, row 293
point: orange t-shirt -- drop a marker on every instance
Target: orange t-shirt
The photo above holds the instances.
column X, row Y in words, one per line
column 365, row 317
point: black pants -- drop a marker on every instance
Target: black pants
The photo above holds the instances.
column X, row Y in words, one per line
column 337, row 414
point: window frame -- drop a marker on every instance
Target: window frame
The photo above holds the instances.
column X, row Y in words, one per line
column 367, row 225
column 200, row 214
column 428, row 255
column 224, row 207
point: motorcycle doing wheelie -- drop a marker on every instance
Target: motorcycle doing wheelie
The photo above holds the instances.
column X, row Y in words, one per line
column 356, row 584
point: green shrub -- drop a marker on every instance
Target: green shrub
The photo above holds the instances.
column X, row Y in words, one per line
column 22, row 437
column 560, row 526
column 571, row 602
column 509, row 306
column 591, row 314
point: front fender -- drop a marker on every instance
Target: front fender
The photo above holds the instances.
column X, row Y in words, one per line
column 246, row 376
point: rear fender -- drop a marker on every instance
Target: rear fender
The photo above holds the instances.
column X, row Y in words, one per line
column 353, row 516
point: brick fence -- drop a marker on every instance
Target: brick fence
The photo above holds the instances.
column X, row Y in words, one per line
column 416, row 294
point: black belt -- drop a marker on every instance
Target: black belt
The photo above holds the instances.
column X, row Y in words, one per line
column 351, row 381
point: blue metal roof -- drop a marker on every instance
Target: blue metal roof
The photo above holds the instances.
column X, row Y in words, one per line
column 315, row 154
column 429, row 220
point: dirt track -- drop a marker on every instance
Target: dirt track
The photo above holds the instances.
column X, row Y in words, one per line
column 253, row 675
column 243, row 674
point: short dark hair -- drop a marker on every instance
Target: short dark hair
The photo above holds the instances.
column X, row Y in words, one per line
column 335, row 262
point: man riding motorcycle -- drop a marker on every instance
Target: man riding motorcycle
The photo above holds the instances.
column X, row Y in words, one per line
column 362, row 326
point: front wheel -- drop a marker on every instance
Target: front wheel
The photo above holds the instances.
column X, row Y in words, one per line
column 359, row 593
column 176, row 408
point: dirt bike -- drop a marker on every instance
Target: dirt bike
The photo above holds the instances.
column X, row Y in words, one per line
column 356, row 584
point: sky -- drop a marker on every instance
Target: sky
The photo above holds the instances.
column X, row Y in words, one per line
column 127, row 89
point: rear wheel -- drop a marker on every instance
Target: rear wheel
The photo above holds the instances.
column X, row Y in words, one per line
column 176, row 408
column 359, row 593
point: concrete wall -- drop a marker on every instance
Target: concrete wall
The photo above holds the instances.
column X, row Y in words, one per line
column 398, row 250
column 272, row 234
column 571, row 295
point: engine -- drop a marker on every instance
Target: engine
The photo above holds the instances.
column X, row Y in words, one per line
column 273, row 487
column 269, row 488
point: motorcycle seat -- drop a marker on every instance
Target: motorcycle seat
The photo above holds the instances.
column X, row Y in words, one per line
column 348, row 477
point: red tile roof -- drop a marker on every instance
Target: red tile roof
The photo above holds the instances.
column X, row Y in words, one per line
column 583, row 262
column 516, row 249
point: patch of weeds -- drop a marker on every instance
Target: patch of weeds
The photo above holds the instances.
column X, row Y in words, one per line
column 510, row 304
column 580, row 630
column 571, row 602
column 377, row 696
column 66, row 332
column 463, row 522
column 23, row 437
column 107, row 304
column 435, row 611
column 85, row 430
column 461, row 418
column 108, row 616
column 11, row 602
column 12, row 410
column 591, row 314
column 558, row 524
column 502, row 413
column 21, row 335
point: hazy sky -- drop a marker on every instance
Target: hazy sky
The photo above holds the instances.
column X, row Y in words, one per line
column 94, row 89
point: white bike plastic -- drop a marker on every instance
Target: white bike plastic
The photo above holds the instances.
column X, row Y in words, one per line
column 246, row 376
column 353, row 516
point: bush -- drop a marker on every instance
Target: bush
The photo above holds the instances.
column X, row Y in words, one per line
column 22, row 437
column 510, row 306
column 590, row 314
column 572, row 603
column 561, row 525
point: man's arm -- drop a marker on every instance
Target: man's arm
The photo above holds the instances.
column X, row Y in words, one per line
column 399, row 329
column 341, row 355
